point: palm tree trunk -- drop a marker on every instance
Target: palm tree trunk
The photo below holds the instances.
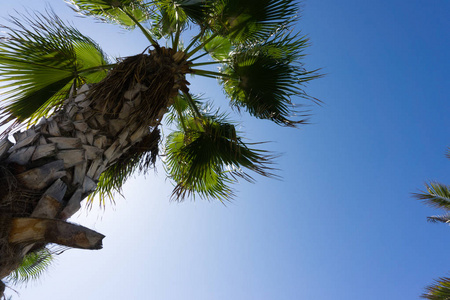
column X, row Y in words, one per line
column 54, row 165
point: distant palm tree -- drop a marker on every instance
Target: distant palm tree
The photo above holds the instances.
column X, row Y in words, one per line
column 437, row 195
column 438, row 291
column 92, row 122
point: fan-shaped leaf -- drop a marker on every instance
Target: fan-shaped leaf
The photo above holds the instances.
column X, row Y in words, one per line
column 244, row 21
column 174, row 15
column 265, row 76
column 113, row 11
column 32, row 266
column 219, row 47
column 437, row 195
column 40, row 59
column 208, row 156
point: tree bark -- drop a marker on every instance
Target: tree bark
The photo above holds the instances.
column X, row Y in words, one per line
column 52, row 167
column 36, row 230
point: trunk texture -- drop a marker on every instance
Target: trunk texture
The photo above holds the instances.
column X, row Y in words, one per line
column 50, row 169
column 54, row 165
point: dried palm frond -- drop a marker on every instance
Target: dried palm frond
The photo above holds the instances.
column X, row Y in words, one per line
column 153, row 77
column 140, row 157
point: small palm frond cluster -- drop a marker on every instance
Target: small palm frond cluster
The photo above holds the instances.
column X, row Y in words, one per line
column 207, row 154
column 251, row 48
column 440, row 290
column 41, row 60
column 437, row 195
column 32, row 266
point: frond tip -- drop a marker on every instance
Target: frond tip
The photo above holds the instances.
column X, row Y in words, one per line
column 439, row 219
column 437, row 195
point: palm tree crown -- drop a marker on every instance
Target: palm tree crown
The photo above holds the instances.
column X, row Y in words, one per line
column 437, row 195
column 42, row 61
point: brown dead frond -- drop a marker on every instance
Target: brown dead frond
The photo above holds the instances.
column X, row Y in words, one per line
column 154, row 78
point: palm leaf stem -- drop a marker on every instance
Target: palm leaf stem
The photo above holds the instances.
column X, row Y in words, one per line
column 144, row 31
column 202, row 44
column 194, row 39
column 200, row 56
column 210, row 63
column 177, row 38
column 180, row 115
column 209, row 76
column 201, row 72
column 98, row 68
column 171, row 39
column 193, row 105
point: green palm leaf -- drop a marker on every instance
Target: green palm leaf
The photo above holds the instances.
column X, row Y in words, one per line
column 244, row 21
column 439, row 219
column 41, row 58
column 206, row 157
column 437, row 195
column 32, row 266
column 114, row 11
column 438, row 291
column 173, row 15
column 264, row 77
column 218, row 47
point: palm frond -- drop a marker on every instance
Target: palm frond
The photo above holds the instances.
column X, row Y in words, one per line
column 32, row 266
column 439, row 219
column 242, row 21
column 265, row 76
column 440, row 290
column 219, row 47
column 204, row 159
column 173, row 15
column 117, row 11
column 40, row 59
column 437, row 195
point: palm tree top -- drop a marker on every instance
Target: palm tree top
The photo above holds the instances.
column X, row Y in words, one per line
column 253, row 45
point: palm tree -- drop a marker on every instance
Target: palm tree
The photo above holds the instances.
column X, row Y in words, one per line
column 440, row 290
column 91, row 122
column 437, row 195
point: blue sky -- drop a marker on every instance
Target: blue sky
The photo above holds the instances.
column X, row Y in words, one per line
column 341, row 224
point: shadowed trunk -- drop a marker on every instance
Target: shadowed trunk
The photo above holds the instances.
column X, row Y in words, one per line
column 54, row 165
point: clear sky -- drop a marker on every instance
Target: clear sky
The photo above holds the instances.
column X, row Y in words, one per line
column 342, row 223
